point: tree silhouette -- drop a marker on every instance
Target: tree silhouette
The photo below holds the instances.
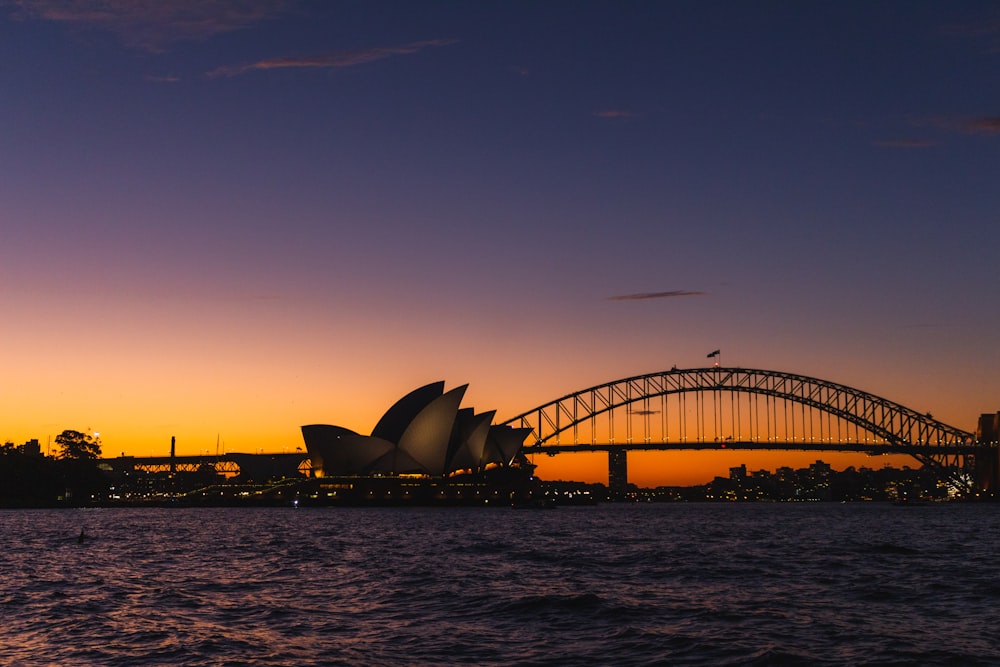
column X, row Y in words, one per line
column 77, row 445
column 81, row 481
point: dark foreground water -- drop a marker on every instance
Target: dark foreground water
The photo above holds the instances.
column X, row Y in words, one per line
column 817, row 584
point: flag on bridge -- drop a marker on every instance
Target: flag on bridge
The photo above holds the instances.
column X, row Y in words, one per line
column 714, row 354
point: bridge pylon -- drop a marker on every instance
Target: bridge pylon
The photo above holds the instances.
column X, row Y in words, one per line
column 987, row 461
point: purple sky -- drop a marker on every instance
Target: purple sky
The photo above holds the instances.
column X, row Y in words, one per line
column 238, row 217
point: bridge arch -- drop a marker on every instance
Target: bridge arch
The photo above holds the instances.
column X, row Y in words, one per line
column 888, row 427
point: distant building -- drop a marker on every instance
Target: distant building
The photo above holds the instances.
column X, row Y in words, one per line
column 30, row 448
column 617, row 475
column 820, row 469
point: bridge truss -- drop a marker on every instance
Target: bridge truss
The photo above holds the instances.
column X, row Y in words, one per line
column 228, row 465
column 738, row 408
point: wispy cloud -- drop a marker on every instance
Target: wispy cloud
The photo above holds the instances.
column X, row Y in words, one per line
column 162, row 79
column 988, row 125
column 982, row 125
column 614, row 113
column 150, row 25
column 331, row 60
column 641, row 296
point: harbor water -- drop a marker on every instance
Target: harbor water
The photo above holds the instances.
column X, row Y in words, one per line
column 660, row 584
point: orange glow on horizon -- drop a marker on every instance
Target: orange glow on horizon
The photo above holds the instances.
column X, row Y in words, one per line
column 688, row 468
column 220, row 378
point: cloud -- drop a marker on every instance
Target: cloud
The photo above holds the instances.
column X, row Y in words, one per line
column 645, row 412
column 614, row 113
column 641, row 296
column 982, row 125
column 162, row 79
column 989, row 125
column 330, row 60
column 150, row 25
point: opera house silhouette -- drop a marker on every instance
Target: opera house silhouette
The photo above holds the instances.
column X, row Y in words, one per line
column 425, row 448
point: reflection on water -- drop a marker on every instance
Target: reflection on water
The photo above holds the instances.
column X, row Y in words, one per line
column 623, row 584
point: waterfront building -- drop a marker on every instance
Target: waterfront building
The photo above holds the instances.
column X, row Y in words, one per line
column 424, row 446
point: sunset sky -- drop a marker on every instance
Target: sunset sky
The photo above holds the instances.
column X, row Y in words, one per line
column 222, row 220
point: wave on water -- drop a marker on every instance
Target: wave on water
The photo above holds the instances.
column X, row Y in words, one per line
column 683, row 584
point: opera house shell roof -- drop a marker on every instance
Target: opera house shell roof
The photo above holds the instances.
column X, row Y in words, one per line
column 425, row 432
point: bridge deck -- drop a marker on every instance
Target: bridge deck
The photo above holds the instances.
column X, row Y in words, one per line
column 826, row 446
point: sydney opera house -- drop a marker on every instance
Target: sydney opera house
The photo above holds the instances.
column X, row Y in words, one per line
column 425, row 447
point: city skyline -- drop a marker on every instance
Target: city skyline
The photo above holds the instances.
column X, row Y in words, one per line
column 222, row 221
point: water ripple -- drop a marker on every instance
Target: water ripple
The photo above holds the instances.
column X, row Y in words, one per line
column 617, row 584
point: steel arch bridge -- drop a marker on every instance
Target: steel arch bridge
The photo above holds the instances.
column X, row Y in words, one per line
column 739, row 408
